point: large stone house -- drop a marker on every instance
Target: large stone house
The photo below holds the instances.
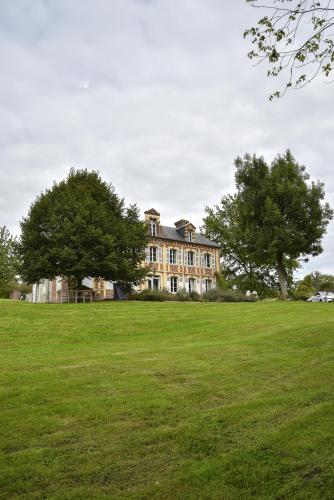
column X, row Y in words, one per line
column 178, row 257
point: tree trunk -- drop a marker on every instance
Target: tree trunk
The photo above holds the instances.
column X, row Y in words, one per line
column 282, row 276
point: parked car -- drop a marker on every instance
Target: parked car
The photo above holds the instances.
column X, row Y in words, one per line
column 322, row 297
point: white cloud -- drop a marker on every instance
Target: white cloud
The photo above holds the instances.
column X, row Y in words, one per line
column 157, row 95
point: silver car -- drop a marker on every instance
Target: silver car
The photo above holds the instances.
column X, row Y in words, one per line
column 322, row 297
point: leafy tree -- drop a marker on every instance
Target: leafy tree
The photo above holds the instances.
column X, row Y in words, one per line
column 221, row 225
column 274, row 219
column 296, row 39
column 81, row 228
column 318, row 281
column 8, row 261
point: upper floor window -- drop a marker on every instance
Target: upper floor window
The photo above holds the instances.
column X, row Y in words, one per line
column 153, row 254
column 172, row 256
column 191, row 259
column 153, row 228
column 190, row 236
column 207, row 260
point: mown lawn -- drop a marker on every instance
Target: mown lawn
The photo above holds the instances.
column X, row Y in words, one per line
column 169, row 400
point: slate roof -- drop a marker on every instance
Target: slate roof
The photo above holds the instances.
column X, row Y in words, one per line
column 170, row 233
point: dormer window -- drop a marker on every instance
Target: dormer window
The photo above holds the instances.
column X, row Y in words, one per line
column 190, row 236
column 153, row 228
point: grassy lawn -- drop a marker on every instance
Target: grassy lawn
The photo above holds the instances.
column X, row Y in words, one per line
column 169, row 400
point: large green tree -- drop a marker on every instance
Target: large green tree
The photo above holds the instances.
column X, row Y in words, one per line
column 221, row 224
column 8, row 261
column 275, row 217
column 81, row 228
column 295, row 38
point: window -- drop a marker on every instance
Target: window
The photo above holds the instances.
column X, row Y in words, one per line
column 153, row 283
column 207, row 260
column 208, row 285
column 191, row 285
column 172, row 256
column 173, row 284
column 190, row 258
column 153, row 254
column 190, row 236
column 153, row 228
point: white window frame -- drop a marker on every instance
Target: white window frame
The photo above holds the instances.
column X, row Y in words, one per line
column 173, row 256
column 153, row 228
column 192, row 259
column 190, row 236
column 191, row 284
column 150, row 282
column 173, row 284
column 208, row 284
column 153, row 250
column 207, row 260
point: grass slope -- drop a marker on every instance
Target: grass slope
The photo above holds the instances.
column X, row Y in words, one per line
column 171, row 400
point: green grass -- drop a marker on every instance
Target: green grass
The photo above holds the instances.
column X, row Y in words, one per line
column 167, row 400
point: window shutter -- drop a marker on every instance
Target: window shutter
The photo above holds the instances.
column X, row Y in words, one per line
column 202, row 260
column 168, row 283
column 197, row 259
column 213, row 261
column 168, row 255
column 147, row 252
column 185, row 257
column 179, row 252
column 160, row 254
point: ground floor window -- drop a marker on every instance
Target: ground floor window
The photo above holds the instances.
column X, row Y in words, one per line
column 173, row 284
column 153, row 283
column 208, row 285
column 191, row 285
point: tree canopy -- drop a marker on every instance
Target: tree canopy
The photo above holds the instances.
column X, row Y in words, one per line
column 8, row 261
column 296, row 39
column 81, row 228
column 275, row 217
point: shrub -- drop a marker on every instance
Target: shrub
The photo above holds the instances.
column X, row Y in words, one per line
column 182, row 295
column 152, row 295
column 303, row 292
column 195, row 296
column 222, row 295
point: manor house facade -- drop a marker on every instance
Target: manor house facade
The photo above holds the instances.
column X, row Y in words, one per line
column 178, row 257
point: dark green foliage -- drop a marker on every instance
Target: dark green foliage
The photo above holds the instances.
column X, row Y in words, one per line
column 311, row 283
column 8, row 262
column 152, row 296
column 182, row 295
column 227, row 295
column 81, row 228
column 274, row 219
column 195, row 296
column 295, row 39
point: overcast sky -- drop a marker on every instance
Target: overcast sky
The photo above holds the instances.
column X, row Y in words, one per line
column 158, row 95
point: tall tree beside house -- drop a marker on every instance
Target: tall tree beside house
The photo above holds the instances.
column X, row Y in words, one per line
column 8, row 261
column 275, row 218
column 81, row 228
